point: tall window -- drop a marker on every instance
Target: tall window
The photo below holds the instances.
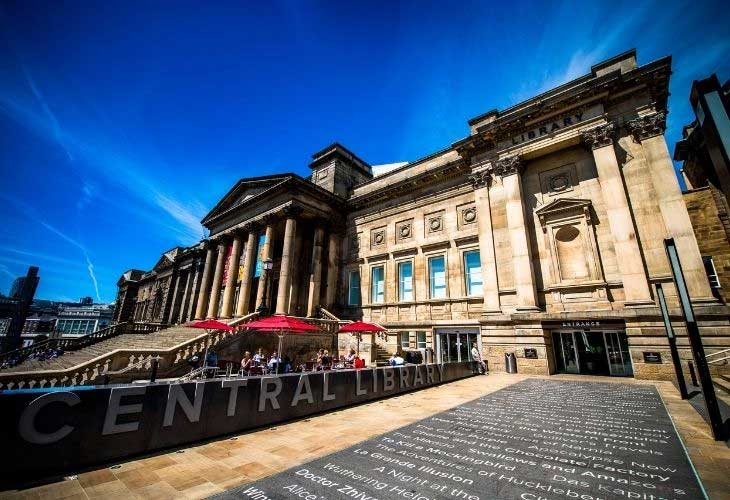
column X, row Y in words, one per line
column 421, row 340
column 473, row 272
column 711, row 271
column 353, row 296
column 405, row 281
column 404, row 340
column 437, row 276
column 377, row 285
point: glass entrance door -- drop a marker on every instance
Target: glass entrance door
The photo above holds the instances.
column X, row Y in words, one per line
column 566, row 357
column 617, row 347
column 456, row 346
column 592, row 353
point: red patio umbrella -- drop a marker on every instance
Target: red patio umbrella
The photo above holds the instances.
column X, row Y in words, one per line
column 360, row 327
column 210, row 325
column 281, row 325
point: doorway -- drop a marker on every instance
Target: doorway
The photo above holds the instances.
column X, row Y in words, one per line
column 592, row 353
column 454, row 346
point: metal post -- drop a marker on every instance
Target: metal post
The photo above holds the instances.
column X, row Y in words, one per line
column 155, row 364
column 672, row 341
column 695, row 341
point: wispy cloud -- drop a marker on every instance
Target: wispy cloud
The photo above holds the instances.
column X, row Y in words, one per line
column 4, row 269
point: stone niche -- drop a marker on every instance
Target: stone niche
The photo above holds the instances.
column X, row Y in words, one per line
column 570, row 241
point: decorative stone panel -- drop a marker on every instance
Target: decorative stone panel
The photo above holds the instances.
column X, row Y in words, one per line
column 434, row 222
column 466, row 215
column 377, row 237
column 558, row 181
column 404, row 230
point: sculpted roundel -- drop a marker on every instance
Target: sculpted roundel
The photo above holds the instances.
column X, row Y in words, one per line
column 435, row 223
column 470, row 214
column 405, row 231
column 559, row 183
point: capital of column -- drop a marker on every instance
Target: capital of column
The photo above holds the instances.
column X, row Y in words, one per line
column 292, row 211
column 600, row 136
column 481, row 179
column 223, row 239
column 509, row 165
column 648, row 126
column 251, row 227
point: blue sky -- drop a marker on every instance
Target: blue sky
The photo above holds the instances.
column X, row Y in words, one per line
column 121, row 123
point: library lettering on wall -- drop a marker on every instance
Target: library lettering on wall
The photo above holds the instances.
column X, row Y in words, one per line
column 540, row 233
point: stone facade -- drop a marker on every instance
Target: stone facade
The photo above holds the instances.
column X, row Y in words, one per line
column 546, row 224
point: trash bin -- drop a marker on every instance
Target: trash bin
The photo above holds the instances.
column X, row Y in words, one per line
column 510, row 362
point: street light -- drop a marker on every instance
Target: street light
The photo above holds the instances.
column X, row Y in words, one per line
column 266, row 266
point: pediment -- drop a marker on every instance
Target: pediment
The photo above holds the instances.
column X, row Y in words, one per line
column 245, row 191
column 164, row 262
column 564, row 208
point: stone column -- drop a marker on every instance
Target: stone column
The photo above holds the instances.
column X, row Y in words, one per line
column 649, row 131
column 231, row 277
column 487, row 256
column 249, row 266
column 510, row 169
column 205, row 283
column 186, row 295
column 217, row 279
column 194, row 289
column 333, row 268
column 175, row 293
column 315, row 278
column 282, row 297
column 625, row 242
column 266, row 253
column 296, row 295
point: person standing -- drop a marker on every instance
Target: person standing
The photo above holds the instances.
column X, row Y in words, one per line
column 477, row 356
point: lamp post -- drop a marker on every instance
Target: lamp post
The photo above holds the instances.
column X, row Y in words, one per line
column 266, row 267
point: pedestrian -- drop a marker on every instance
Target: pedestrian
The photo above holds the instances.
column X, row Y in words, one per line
column 477, row 356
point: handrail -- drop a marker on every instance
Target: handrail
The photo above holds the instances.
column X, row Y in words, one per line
column 718, row 361
column 717, row 352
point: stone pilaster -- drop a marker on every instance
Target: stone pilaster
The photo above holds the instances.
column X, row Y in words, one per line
column 231, row 277
column 266, row 253
column 315, row 278
column 282, row 297
column 649, row 131
column 205, row 283
column 333, row 268
column 626, row 244
column 249, row 265
column 217, row 279
column 510, row 169
column 481, row 181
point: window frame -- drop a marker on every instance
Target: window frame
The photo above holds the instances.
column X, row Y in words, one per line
column 431, row 289
column 398, row 265
column 467, row 291
column 400, row 340
column 708, row 259
column 419, row 342
column 372, row 283
column 350, row 273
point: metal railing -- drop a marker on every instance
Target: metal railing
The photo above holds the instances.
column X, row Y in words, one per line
column 17, row 356
column 721, row 360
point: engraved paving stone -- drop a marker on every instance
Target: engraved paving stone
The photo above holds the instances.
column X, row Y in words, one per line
column 534, row 440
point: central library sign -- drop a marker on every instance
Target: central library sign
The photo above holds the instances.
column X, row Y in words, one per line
column 72, row 427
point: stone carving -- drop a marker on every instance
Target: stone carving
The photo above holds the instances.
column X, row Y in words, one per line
column 600, row 136
column 292, row 211
column 481, row 179
column 469, row 215
column 404, row 230
column 509, row 165
column 435, row 224
column 559, row 182
column 251, row 227
column 378, row 237
column 648, row 126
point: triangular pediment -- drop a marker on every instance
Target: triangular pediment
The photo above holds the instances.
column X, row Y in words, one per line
column 245, row 191
column 563, row 205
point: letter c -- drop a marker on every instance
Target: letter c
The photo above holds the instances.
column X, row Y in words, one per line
column 26, row 426
column 527, row 496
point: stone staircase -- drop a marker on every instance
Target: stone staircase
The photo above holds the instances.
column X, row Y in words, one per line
column 381, row 355
column 160, row 340
column 722, row 385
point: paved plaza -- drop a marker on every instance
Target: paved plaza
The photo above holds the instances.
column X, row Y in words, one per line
column 526, row 407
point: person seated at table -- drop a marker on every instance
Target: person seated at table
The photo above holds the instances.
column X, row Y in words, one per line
column 274, row 361
column 259, row 358
column 397, row 360
column 287, row 364
column 350, row 357
column 211, row 359
column 326, row 359
column 318, row 360
column 246, row 363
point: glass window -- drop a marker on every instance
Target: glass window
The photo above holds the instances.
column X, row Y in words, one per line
column 377, row 285
column 711, row 271
column 404, row 340
column 421, row 340
column 405, row 281
column 473, row 272
column 437, row 276
column 353, row 296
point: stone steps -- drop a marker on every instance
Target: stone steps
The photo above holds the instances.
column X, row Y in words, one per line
column 722, row 383
column 162, row 340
